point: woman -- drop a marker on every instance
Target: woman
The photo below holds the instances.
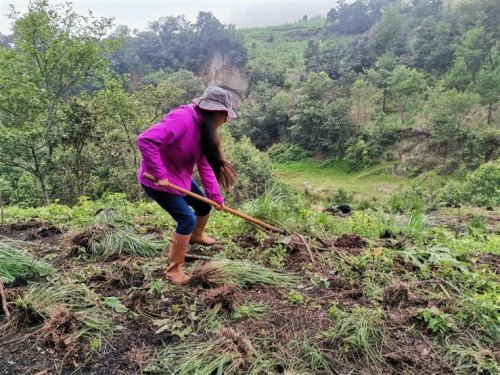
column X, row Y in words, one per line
column 170, row 149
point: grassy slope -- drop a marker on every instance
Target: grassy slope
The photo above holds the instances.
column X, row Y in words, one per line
column 367, row 183
column 284, row 45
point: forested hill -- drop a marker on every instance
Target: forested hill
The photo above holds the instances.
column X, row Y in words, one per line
column 412, row 81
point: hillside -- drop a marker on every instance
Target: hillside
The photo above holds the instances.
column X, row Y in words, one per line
column 367, row 143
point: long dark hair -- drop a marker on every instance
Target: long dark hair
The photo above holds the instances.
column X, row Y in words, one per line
column 211, row 148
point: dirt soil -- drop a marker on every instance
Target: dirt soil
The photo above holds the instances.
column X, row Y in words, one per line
column 36, row 346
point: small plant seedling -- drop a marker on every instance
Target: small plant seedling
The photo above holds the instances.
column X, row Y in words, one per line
column 295, row 297
column 175, row 327
column 95, row 344
column 320, row 280
column 437, row 321
column 277, row 256
column 250, row 310
column 156, row 287
column 115, row 304
column 334, row 311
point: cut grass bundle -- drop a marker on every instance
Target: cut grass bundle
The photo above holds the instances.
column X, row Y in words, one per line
column 105, row 239
column 227, row 353
column 314, row 357
column 42, row 302
column 223, row 296
column 360, row 329
column 107, row 215
column 16, row 262
column 240, row 273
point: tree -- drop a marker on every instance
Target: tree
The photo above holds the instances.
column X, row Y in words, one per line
column 488, row 82
column 319, row 120
column 391, row 32
column 75, row 159
column 434, row 44
column 354, row 18
column 190, row 85
column 380, row 75
column 405, row 84
column 474, row 49
column 363, row 98
column 458, row 77
column 312, row 56
column 449, row 111
column 264, row 70
column 263, row 116
column 55, row 51
column 174, row 43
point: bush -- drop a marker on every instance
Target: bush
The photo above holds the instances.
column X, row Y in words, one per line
column 481, row 187
column 252, row 166
column 479, row 148
column 285, row 152
column 408, row 200
column 341, row 196
column 357, row 156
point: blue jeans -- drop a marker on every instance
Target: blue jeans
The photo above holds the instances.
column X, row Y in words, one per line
column 178, row 207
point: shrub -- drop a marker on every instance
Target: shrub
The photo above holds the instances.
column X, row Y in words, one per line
column 358, row 156
column 341, row 196
column 285, row 152
column 252, row 166
column 481, row 187
column 408, row 199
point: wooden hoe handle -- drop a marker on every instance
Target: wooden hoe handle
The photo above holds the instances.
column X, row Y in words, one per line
column 224, row 208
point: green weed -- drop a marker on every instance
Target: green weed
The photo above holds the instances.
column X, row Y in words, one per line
column 437, row 321
column 471, row 359
column 316, row 358
column 481, row 310
column 295, row 297
column 249, row 310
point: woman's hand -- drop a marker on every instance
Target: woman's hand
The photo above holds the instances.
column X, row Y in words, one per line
column 164, row 183
column 219, row 207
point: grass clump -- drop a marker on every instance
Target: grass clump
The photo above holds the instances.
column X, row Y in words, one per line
column 47, row 302
column 360, row 329
column 16, row 262
column 105, row 239
column 275, row 205
column 471, row 359
column 228, row 352
column 107, row 215
column 239, row 273
column 315, row 357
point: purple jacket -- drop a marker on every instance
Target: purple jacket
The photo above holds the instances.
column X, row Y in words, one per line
column 171, row 148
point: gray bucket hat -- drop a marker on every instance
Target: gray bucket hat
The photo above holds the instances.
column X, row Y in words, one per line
column 216, row 99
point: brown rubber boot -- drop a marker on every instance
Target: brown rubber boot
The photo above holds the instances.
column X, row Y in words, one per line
column 197, row 236
column 177, row 254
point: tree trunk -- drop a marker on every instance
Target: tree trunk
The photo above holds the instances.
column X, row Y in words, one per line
column 45, row 193
column 384, row 109
column 489, row 112
column 1, row 209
